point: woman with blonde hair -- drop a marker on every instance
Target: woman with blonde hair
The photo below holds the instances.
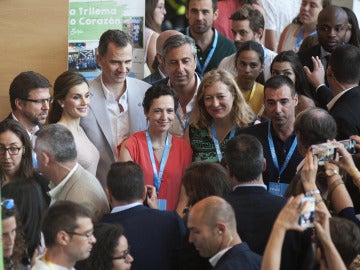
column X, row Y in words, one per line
column 219, row 113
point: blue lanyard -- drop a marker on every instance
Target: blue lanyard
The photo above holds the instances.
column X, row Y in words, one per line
column 273, row 153
column 157, row 176
column 216, row 141
column 208, row 58
column 183, row 125
column 299, row 38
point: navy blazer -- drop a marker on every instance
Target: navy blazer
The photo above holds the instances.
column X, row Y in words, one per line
column 239, row 257
column 154, row 77
column 155, row 237
column 256, row 211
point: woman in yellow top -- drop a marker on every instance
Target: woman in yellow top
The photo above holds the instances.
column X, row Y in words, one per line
column 250, row 64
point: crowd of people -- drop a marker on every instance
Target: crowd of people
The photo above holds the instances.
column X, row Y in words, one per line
column 211, row 161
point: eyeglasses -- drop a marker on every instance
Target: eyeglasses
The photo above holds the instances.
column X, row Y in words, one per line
column 12, row 150
column 123, row 255
column 41, row 101
column 8, row 204
column 86, row 234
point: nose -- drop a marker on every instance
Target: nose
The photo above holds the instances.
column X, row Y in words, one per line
column 278, row 107
column 92, row 239
column 180, row 66
column 237, row 37
column 45, row 105
column 247, row 69
column 129, row 258
column 121, row 67
column 215, row 102
column 306, row 7
column 191, row 238
column 7, row 154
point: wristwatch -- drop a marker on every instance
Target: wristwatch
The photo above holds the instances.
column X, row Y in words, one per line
column 331, row 172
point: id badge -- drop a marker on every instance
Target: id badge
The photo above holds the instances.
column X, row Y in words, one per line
column 277, row 189
column 162, row 204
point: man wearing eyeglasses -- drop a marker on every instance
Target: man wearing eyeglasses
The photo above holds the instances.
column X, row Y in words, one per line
column 68, row 233
column 30, row 100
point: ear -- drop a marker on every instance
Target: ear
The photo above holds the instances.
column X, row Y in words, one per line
column 296, row 99
column 108, row 195
column 329, row 72
column 60, row 102
column 259, row 34
column 264, row 165
column 159, row 58
column 216, row 14
column 46, row 157
column 19, row 104
column 144, row 193
column 99, row 59
column 62, row 238
column 220, row 229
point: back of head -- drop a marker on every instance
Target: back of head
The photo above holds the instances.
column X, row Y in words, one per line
column 204, row 179
column 30, row 204
column 125, row 181
column 58, row 141
column 163, row 37
column 61, row 216
column 254, row 16
column 62, row 86
column 314, row 126
column 344, row 62
column 213, row 210
column 279, row 81
column 346, row 236
column 177, row 41
column 23, row 83
column 26, row 168
column 244, row 156
column 107, row 238
column 118, row 37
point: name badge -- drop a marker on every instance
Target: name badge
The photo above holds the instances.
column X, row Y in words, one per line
column 162, row 204
column 277, row 189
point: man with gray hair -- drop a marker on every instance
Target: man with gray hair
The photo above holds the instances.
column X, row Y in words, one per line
column 57, row 158
column 179, row 57
column 212, row 227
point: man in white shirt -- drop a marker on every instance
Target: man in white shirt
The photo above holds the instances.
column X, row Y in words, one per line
column 115, row 111
column 212, row 227
column 68, row 234
column 247, row 24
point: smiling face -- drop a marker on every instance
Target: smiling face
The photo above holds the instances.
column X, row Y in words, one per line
column 10, row 164
column 218, row 100
column 200, row 15
column 309, row 11
column 76, row 102
column 248, row 66
column 161, row 114
column 115, row 64
column 8, row 236
column 159, row 12
column 283, row 68
column 122, row 250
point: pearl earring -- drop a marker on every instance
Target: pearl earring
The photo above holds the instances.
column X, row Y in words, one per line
column 62, row 105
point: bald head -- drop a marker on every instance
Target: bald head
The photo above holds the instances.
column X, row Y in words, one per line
column 213, row 210
column 332, row 26
column 164, row 36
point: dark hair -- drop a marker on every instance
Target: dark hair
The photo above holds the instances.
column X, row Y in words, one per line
column 344, row 62
column 301, row 83
column 254, row 16
column 58, row 141
column 314, row 126
column 23, row 83
column 214, row 3
column 346, row 237
column 26, row 169
column 125, row 181
column 244, row 156
column 120, row 38
column 150, row 6
column 31, row 205
column 355, row 34
column 107, row 238
column 62, row 86
column 157, row 91
column 278, row 81
column 19, row 246
column 204, row 179
column 62, row 215
column 256, row 47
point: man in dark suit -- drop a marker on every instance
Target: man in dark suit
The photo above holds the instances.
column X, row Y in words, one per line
column 160, row 72
column 255, row 208
column 212, row 227
column 332, row 26
column 344, row 75
column 153, row 235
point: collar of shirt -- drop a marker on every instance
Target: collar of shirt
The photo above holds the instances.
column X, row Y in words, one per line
column 124, row 207
column 161, row 73
column 250, row 185
column 31, row 132
column 109, row 97
column 336, row 98
column 51, row 265
column 56, row 190
column 214, row 259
